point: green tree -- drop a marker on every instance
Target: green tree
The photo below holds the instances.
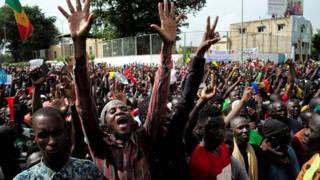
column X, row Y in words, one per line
column 316, row 45
column 44, row 33
column 123, row 18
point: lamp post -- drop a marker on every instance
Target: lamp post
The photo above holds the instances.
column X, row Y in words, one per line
column 242, row 31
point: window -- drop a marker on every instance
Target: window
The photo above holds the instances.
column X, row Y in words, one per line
column 243, row 30
column 280, row 26
column 302, row 28
column 261, row 28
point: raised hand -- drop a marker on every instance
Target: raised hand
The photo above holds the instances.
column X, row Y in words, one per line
column 79, row 19
column 70, row 93
column 169, row 21
column 209, row 38
column 248, row 93
column 214, row 78
column 38, row 82
column 208, row 92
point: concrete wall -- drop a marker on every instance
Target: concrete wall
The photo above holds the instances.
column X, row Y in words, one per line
column 147, row 59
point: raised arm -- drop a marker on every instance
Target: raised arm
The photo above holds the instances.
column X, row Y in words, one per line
column 193, row 80
column 80, row 20
column 159, row 97
column 36, row 92
column 275, row 83
column 225, row 95
column 247, row 94
column 189, row 138
column 290, row 80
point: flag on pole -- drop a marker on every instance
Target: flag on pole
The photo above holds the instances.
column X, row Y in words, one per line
column 24, row 25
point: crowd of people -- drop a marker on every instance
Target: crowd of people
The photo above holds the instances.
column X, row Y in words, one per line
column 252, row 120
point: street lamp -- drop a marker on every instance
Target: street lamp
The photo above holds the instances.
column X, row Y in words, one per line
column 242, row 31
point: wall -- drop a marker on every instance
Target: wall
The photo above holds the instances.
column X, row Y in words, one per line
column 148, row 59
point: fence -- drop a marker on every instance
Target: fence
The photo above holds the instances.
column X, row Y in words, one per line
column 186, row 43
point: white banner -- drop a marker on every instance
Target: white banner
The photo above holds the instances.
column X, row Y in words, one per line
column 35, row 63
column 218, row 56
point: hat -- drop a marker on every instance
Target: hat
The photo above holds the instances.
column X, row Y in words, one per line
column 274, row 128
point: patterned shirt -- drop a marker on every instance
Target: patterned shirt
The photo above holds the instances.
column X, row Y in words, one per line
column 74, row 169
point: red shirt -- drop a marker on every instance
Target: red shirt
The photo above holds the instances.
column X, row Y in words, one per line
column 206, row 165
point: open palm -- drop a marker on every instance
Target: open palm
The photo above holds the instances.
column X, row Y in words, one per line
column 167, row 30
column 80, row 20
column 78, row 24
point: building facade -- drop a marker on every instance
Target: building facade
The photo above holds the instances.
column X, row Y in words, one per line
column 288, row 35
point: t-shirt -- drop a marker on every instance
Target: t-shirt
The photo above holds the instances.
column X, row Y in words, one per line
column 207, row 165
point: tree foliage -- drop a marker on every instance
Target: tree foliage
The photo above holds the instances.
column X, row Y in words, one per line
column 123, row 18
column 316, row 45
column 44, row 33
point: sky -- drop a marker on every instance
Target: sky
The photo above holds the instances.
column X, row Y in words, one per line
column 229, row 12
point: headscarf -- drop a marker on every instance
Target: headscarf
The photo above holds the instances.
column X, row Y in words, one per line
column 252, row 160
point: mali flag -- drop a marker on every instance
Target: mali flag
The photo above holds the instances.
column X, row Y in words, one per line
column 24, row 25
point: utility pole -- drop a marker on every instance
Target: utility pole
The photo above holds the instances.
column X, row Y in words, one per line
column 242, row 31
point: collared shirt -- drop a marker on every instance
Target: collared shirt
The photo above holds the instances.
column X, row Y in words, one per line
column 73, row 169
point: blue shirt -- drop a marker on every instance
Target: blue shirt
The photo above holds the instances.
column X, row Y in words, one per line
column 73, row 169
column 289, row 173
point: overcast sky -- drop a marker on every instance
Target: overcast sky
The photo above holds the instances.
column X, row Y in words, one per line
column 228, row 10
